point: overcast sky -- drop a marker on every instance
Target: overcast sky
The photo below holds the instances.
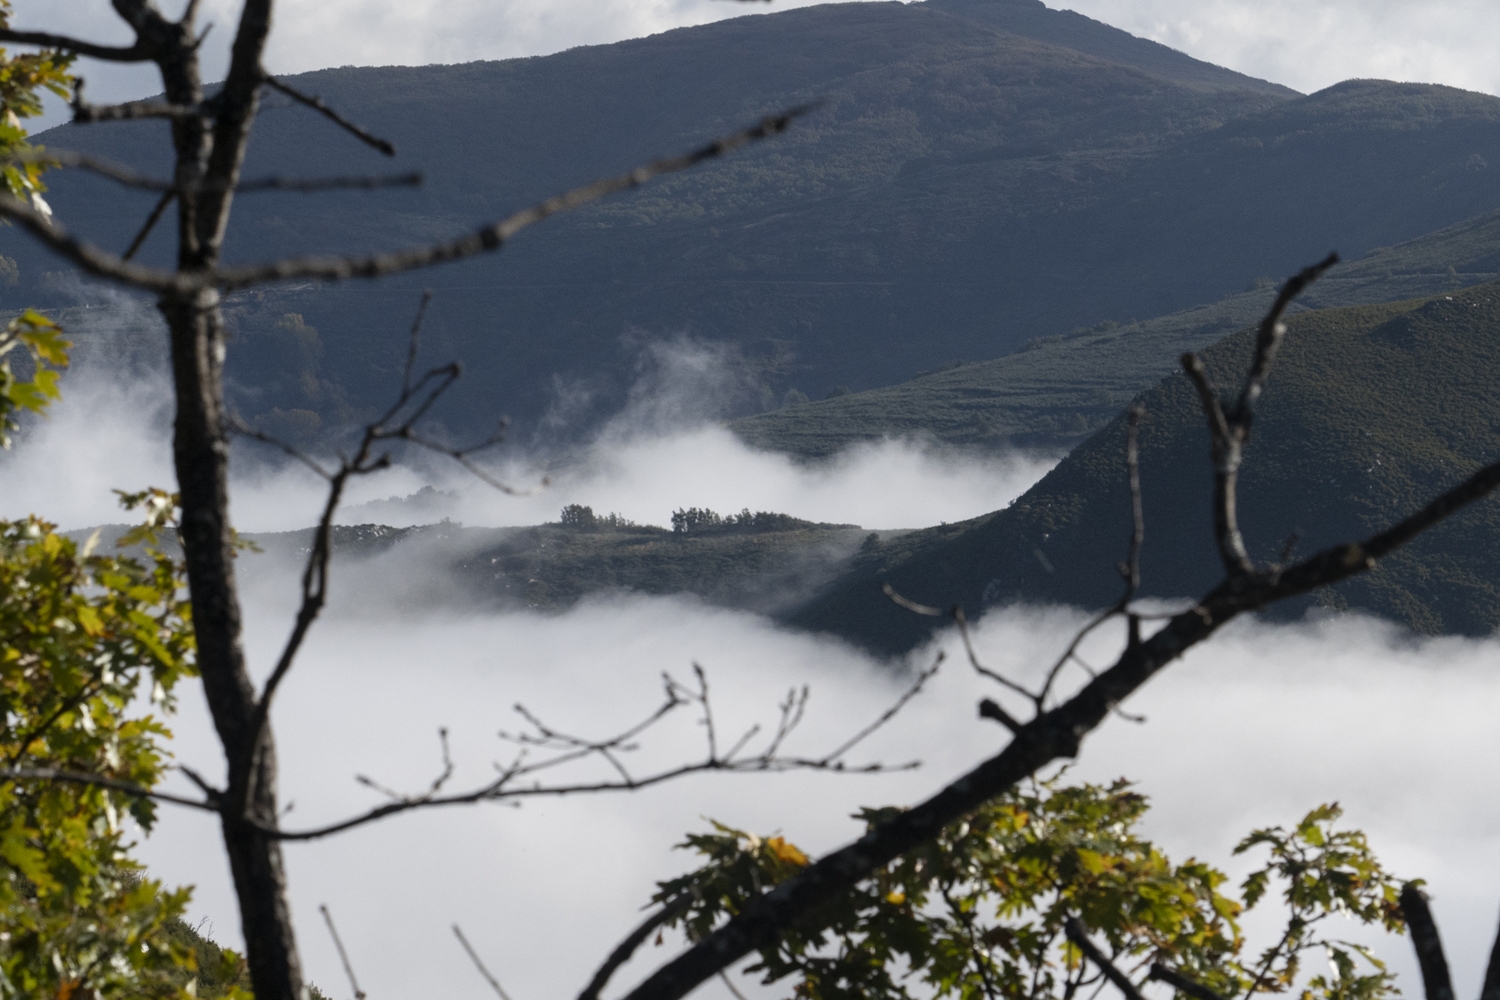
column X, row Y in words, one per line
column 1306, row 45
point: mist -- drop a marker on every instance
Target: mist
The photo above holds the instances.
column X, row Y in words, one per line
column 1254, row 728
column 664, row 450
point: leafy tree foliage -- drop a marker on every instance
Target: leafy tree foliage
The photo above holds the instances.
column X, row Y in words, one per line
column 22, row 77
column 80, row 633
column 981, row 911
column 42, row 343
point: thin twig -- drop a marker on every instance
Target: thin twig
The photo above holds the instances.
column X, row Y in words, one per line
column 981, row 669
column 890, row 713
column 474, row 957
column 98, row 781
column 150, row 224
column 1182, row 984
column 413, row 342
column 333, row 932
column 110, row 53
column 317, row 104
column 489, row 238
column 627, row 948
column 1122, row 982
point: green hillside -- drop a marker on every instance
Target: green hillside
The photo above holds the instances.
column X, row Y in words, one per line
column 1057, row 390
column 966, row 187
column 1370, row 411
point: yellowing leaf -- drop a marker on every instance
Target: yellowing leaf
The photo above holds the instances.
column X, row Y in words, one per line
column 786, row 852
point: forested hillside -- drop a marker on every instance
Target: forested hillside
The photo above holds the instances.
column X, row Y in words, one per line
column 1371, row 411
column 965, row 187
column 1057, row 390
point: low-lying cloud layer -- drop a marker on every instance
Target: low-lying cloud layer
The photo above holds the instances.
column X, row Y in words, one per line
column 1252, row 729
column 112, row 432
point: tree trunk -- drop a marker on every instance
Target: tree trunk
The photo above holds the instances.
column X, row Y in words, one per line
column 201, row 452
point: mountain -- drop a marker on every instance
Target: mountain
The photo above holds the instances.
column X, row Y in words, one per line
column 967, row 186
column 1057, row 390
column 1369, row 413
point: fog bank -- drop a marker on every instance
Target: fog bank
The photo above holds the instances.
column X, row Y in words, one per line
column 1253, row 729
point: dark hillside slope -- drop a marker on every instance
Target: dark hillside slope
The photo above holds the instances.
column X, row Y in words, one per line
column 1057, row 390
column 967, row 186
column 1370, row 412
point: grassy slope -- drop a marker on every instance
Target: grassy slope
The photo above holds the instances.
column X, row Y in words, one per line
column 974, row 159
column 1057, row 390
column 1371, row 410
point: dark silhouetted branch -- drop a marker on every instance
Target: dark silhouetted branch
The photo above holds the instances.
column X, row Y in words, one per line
column 1052, row 735
column 989, row 709
column 88, row 114
column 150, row 224
column 1181, row 983
column 474, row 957
column 493, row 236
column 99, row 781
column 317, row 104
column 1491, row 988
column 1230, row 430
column 333, row 932
column 518, row 780
column 100, row 263
column 1428, row 945
column 1081, row 940
column 315, row 184
column 109, row 53
column 626, row 948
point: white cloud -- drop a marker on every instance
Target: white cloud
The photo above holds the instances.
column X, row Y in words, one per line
column 112, row 431
column 1309, row 46
column 1252, row 729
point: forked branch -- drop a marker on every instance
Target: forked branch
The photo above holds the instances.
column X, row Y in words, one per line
column 1051, row 736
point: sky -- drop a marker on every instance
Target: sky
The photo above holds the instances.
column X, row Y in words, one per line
column 1304, row 44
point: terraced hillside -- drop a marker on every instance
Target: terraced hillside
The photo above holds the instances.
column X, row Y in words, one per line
column 1370, row 412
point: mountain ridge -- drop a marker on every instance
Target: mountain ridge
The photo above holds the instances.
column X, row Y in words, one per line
column 956, row 197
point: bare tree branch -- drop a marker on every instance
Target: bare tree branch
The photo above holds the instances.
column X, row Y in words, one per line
column 313, row 185
column 1491, row 987
column 99, row 781
column 134, row 179
column 1229, row 431
column 1181, row 983
column 316, row 103
column 333, row 932
column 567, row 749
column 103, row 264
column 494, row 236
column 100, row 263
column 150, row 224
column 130, row 111
column 109, row 53
column 1122, row 982
column 626, row 948
column 1428, row 945
column 1052, row 735
column 474, row 957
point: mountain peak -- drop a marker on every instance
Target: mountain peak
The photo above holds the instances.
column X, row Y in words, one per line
column 1069, row 29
